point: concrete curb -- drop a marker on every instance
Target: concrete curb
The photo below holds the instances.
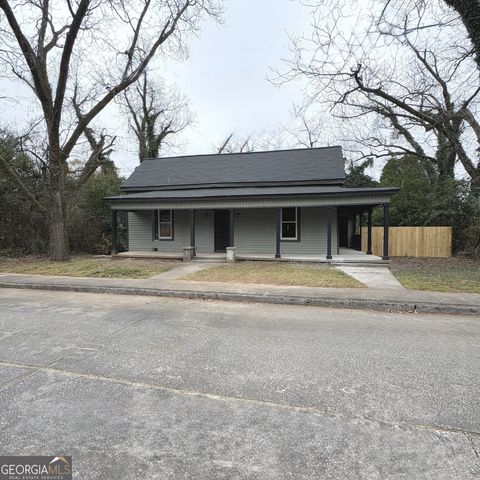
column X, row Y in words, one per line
column 339, row 302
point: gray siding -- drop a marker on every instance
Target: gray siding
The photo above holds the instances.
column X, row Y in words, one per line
column 204, row 235
column 140, row 232
column 255, row 231
column 313, row 234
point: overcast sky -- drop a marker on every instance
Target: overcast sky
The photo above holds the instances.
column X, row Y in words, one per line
column 225, row 77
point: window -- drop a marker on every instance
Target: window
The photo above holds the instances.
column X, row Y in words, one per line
column 165, row 225
column 289, row 224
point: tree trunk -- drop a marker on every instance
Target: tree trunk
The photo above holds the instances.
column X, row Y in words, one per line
column 142, row 149
column 446, row 157
column 57, row 222
column 57, row 228
column 475, row 183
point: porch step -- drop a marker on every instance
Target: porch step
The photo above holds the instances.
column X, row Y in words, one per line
column 200, row 258
column 356, row 263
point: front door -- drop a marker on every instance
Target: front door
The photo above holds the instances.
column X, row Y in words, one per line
column 343, row 231
column 222, row 230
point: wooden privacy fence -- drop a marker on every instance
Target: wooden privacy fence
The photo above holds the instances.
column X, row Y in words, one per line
column 411, row 241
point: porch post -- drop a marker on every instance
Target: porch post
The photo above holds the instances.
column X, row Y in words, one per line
column 369, row 232
column 329, row 233
column 114, row 232
column 386, row 223
column 192, row 230
column 232, row 226
column 154, row 225
column 278, row 232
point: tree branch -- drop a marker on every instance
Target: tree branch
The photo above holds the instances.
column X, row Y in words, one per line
column 39, row 74
column 21, row 186
column 128, row 80
column 65, row 60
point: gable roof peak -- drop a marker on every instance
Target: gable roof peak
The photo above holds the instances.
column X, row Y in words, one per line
column 317, row 165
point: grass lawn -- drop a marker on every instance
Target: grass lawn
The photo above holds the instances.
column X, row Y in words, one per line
column 438, row 274
column 87, row 266
column 276, row 273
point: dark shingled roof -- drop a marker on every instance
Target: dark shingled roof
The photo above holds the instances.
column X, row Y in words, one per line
column 249, row 192
column 311, row 165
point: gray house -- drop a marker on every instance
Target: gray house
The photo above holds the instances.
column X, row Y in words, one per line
column 277, row 204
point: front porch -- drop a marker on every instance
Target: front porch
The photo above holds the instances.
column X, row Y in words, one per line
column 282, row 225
column 345, row 256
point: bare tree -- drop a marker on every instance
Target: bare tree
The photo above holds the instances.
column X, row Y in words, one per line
column 156, row 113
column 237, row 145
column 307, row 129
column 413, row 89
column 90, row 50
column 468, row 11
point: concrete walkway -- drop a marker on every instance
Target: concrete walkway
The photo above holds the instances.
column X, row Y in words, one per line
column 373, row 276
column 389, row 299
column 181, row 271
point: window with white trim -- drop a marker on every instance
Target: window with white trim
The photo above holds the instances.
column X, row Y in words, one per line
column 165, row 224
column 289, row 219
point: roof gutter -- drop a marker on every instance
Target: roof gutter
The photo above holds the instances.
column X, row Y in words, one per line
column 128, row 198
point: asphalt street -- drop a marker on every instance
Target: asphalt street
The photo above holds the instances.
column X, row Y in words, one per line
column 156, row 388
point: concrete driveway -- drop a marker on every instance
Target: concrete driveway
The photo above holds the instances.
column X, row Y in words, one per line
column 152, row 388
